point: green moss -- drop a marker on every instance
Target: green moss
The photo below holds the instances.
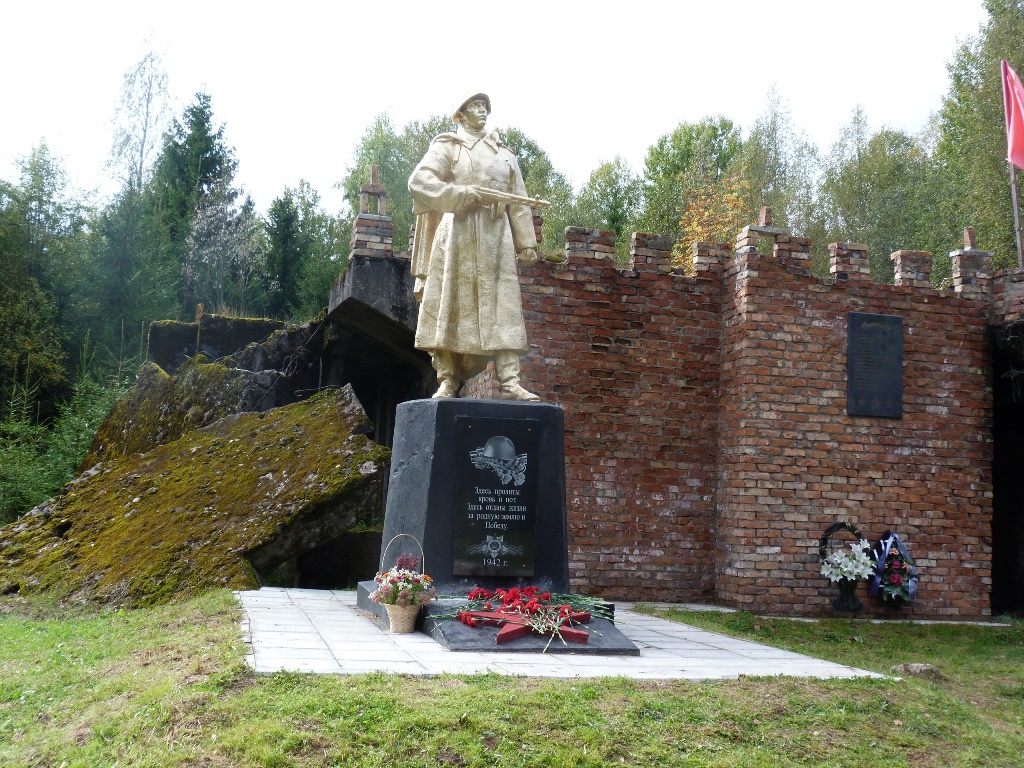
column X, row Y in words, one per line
column 179, row 519
column 161, row 408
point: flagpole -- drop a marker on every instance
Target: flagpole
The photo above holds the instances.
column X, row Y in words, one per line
column 1016, row 215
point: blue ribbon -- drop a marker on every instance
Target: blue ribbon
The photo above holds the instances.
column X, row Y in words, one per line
column 876, row 578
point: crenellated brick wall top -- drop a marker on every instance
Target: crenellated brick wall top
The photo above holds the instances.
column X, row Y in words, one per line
column 707, row 441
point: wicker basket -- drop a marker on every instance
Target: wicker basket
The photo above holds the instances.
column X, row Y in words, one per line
column 402, row 618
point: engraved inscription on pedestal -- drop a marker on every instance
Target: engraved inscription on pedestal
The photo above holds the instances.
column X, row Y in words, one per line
column 496, row 497
column 874, row 373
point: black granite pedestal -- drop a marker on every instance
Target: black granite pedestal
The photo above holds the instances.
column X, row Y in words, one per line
column 480, row 484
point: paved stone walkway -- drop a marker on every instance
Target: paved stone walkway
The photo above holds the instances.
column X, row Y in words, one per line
column 307, row 630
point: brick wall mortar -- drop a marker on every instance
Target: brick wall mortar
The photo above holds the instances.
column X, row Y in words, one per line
column 791, row 461
column 706, row 425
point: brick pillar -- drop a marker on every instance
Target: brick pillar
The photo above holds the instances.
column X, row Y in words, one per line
column 650, row 253
column 793, row 247
column 709, row 257
column 538, row 223
column 583, row 243
column 913, row 269
column 972, row 272
column 372, row 235
column 849, row 261
column 750, row 236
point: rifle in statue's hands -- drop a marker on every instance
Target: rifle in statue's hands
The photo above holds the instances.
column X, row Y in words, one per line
column 497, row 198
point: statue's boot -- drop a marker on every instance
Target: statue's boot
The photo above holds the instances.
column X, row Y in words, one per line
column 444, row 364
column 506, row 364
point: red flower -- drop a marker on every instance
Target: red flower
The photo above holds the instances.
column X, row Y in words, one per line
column 466, row 619
column 546, row 596
column 511, row 596
column 897, row 565
column 531, row 592
column 480, row 594
column 895, row 578
column 488, row 607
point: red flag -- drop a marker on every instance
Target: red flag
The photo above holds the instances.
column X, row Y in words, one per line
column 1013, row 102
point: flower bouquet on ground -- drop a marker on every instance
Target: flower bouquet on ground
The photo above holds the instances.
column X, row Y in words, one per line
column 845, row 569
column 402, row 590
column 523, row 611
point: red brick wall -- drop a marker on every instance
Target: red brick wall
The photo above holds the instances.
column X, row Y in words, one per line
column 632, row 356
column 792, row 462
column 707, row 441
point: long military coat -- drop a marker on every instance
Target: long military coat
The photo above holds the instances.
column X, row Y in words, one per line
column 465, row 256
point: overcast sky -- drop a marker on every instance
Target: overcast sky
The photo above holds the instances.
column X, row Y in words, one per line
column 298, row 83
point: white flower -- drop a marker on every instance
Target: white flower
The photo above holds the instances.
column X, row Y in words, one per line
column 852, row 565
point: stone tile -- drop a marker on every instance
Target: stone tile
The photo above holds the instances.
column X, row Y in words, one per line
column 459, row 668
column 287, row 665
column 263, row 639
column 395, row 667
column 323, row 632
column 264, row 653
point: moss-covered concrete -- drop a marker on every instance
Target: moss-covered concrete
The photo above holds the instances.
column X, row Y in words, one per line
column 183, row 517
column 172, row 342
column 161, row 408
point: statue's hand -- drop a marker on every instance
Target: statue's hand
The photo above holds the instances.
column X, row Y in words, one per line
column 527, row 257
column 470, row 199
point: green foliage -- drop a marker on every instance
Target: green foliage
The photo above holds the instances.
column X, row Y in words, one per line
column 307, row 250
column 31, row 349
column 195, row 158
column 327, row 238
column 140, row 118
column 686, row 158
column 872, row 191
column 780, row 169
column 286, row 255
column 543, row 181
column 37, row 459
column 226, row 251
column 610, row 201
column 42, row 248
column 133, row 279
column 395, row 157
column 971, row 148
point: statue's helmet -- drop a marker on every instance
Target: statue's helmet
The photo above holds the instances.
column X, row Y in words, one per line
column 481, row 96
column 499, row 448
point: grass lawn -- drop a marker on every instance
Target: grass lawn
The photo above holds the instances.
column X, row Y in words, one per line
column 168, row 686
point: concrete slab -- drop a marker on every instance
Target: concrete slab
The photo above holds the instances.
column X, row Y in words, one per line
column 321, row 631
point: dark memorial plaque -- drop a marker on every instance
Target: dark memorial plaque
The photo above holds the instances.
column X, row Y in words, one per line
column 495, row 527
column 874, row 371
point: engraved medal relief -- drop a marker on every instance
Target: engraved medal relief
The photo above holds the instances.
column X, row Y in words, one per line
column 499, row 455
column 495, row 523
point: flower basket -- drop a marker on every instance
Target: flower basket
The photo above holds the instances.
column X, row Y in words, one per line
column 845, row 569
column 402, row 618
column 403, row 589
